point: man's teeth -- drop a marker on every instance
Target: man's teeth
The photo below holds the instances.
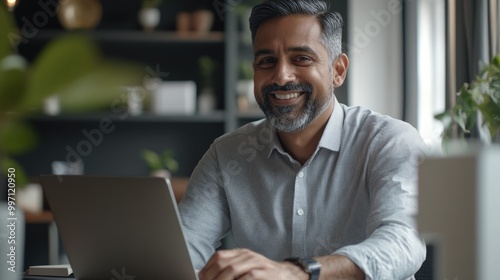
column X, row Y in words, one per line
column 287, row 96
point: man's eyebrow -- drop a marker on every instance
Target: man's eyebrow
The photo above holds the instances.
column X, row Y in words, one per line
column 301, row 49
column 262, row 52
column 291, row 49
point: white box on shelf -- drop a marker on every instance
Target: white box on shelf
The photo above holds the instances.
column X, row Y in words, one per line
column 458, row 212
column 174, row 97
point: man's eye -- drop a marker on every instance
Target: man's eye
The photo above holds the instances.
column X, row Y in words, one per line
column 302, row 59
column 266, row 62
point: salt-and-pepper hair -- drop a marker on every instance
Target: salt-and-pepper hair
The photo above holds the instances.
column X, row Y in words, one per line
column 331, row 22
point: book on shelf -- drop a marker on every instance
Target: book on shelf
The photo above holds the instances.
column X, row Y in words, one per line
column 50, row 270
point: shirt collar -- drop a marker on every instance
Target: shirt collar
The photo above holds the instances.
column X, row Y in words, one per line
column 333, row 131
column 329, row 140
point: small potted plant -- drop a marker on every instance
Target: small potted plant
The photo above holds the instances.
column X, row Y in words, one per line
column 477, row 107
column 160, row 164
column 244, row 87
column 206, row 100
column 150, row 15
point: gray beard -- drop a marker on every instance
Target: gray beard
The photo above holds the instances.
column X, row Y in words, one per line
column 283, row 119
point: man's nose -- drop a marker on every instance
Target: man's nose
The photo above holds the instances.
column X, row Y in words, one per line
column 283, row 73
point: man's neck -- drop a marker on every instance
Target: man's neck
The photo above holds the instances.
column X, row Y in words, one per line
column 302, row 144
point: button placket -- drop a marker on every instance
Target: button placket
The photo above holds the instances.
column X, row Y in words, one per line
column 299, row 219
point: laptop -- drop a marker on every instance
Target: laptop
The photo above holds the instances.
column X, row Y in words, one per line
column 119, row 227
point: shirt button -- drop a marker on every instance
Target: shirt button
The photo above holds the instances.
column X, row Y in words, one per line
column 301, row 174
column 300, row 212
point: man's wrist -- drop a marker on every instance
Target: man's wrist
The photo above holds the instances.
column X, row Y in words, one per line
column 309, row 266
column 295, row 270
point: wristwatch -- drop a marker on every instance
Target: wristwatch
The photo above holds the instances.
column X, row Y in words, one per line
column 309, row 265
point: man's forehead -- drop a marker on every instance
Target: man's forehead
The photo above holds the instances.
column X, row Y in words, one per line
column 293, row 33
column 295, row 22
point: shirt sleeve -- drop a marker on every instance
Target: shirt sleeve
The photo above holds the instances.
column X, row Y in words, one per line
column 204, row 210
column 394, row 249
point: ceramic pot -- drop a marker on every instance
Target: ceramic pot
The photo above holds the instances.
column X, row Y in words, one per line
column 207, row 101
column 30, row 198
column 245, row 88
column 183, row 22
column 201, row 21
column 162, row 173
column 149, row 18
column 79, row 14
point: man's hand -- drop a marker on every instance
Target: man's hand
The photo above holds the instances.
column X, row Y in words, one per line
column 244, row 264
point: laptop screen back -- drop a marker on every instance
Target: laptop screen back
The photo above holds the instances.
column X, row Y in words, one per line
column 119, row 227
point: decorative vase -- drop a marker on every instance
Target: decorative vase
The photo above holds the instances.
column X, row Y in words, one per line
column 30, row 198
column 149, row 18
column 183, row 22
column 162, row 173
column 201, row 21
column 245, row 88
column 206, row 101
column 79, row 14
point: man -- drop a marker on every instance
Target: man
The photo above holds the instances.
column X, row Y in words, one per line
column 330, row 184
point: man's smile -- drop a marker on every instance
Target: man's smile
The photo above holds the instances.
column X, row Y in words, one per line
column 286, row 96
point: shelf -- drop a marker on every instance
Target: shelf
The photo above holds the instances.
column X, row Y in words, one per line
column 138, row 36
column 44, row 217
column 215, row 117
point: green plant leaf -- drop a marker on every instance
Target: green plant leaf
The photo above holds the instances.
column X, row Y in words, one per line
column 481, row 97
column 151, row 3
column 17, row 137
column 491, row 116
column 207, row 67
column 496, row 60
column 13, row 80
column 6, row 26
column 98, row 90
column 169, row 162
column 152, row 160
column 60, row 64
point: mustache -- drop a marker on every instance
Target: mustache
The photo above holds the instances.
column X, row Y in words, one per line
column 287, row 87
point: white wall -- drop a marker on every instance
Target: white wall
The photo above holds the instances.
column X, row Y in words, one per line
column 375, row 49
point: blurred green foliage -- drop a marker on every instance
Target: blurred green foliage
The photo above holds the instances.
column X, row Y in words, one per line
column 479, row 98
column 160, row 161
column 70, row 67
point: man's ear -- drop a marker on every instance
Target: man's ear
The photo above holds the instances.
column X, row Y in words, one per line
column 340, row 66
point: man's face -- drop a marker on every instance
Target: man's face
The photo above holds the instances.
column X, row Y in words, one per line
column 293, row 74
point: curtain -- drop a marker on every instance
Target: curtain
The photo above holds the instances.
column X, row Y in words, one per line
column 473, row 39
column 477, row 36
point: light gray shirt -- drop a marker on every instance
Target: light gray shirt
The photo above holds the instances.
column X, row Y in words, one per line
column 356, row 196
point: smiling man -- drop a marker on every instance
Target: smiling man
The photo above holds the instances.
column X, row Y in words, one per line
column 317, row 190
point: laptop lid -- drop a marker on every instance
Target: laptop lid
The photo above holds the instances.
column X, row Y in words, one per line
column 119, row 227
